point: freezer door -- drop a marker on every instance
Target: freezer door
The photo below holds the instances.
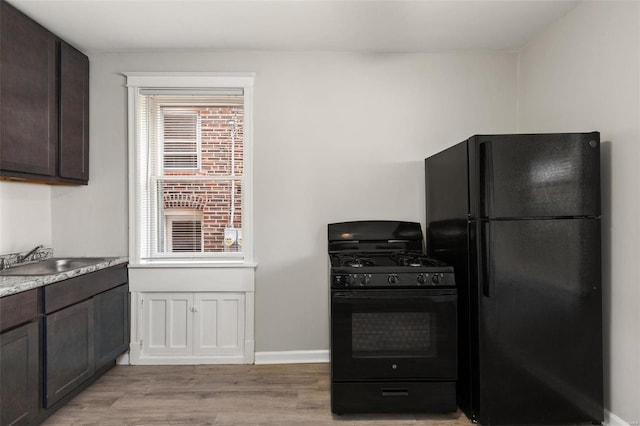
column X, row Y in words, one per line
column 446, row 184
column 531, row 176
column 540, row 321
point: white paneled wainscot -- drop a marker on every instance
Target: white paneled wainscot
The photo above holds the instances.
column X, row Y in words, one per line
column 192, row 315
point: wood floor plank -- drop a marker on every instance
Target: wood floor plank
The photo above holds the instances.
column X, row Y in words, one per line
column 294, row 394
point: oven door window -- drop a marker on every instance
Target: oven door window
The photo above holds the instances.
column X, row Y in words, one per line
column 393, row 334
column 378, row 334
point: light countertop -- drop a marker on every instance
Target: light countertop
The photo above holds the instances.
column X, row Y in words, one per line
column 16, row 284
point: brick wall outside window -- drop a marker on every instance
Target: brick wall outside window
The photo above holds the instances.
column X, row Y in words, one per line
column 213, row 198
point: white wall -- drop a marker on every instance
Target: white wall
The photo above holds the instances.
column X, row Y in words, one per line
column 583, row 74
column 25, row 216
column 92, row 220
column 338, row 136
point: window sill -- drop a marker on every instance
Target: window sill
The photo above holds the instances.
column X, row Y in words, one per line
column 192, row 264
column 192, row 277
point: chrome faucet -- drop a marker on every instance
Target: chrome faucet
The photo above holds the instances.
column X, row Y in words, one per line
column 24, row 258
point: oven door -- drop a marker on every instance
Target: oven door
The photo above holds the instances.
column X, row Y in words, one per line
column 394, row 334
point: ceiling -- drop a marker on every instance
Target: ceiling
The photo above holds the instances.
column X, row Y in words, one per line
column 331, row 25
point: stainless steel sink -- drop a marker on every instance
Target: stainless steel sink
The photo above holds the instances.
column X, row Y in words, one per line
column 53, row 266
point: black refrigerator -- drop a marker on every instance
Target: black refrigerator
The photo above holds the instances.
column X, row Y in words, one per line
column 518, row 216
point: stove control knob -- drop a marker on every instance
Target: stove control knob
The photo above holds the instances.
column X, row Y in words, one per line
column 421, row 279
column 364, row 280
column 393, row 279
column 351, row 279
column 435, row 278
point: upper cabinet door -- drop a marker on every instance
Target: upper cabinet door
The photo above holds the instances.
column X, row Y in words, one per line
column 534, row 176
column 28, row 116
column 74, row 113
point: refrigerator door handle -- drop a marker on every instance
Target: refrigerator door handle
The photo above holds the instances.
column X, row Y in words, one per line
column 485, row 207
column 484, row 257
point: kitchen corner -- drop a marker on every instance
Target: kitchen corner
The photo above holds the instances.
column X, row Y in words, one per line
column 181, row 157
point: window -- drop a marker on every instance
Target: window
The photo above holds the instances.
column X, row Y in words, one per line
column 189, row 150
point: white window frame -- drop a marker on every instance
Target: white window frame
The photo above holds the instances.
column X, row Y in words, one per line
column 191, row 82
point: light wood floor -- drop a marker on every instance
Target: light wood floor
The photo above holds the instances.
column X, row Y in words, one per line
column 295, row 394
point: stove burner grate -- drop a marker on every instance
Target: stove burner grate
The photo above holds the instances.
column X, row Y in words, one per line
column 356, row 261
column 413, row 259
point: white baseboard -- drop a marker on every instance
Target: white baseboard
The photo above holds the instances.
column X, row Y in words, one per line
column 292, row 357
column 611, row 419
column 188, row 360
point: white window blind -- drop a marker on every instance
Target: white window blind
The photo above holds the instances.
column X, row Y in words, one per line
column 180, row 138
column 184, row 231
column 190, row 156
column 186, row 236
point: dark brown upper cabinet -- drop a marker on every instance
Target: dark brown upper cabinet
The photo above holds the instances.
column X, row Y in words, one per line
column 29, row 95
column 74, row 114
column 44, row 98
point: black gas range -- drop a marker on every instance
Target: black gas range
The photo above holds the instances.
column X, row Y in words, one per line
column 393, row 321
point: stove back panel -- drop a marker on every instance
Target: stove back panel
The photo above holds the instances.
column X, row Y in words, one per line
column 375, row 235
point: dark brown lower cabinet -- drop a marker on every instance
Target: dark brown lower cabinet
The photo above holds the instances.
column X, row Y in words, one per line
column 69, row 357
column 111, row 310
column 20, row 373
column 57, row 339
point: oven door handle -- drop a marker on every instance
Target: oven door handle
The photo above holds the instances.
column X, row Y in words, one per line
column 434, row 295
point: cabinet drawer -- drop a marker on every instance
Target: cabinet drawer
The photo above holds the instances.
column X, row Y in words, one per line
column 18, row 309
column 68, row 292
